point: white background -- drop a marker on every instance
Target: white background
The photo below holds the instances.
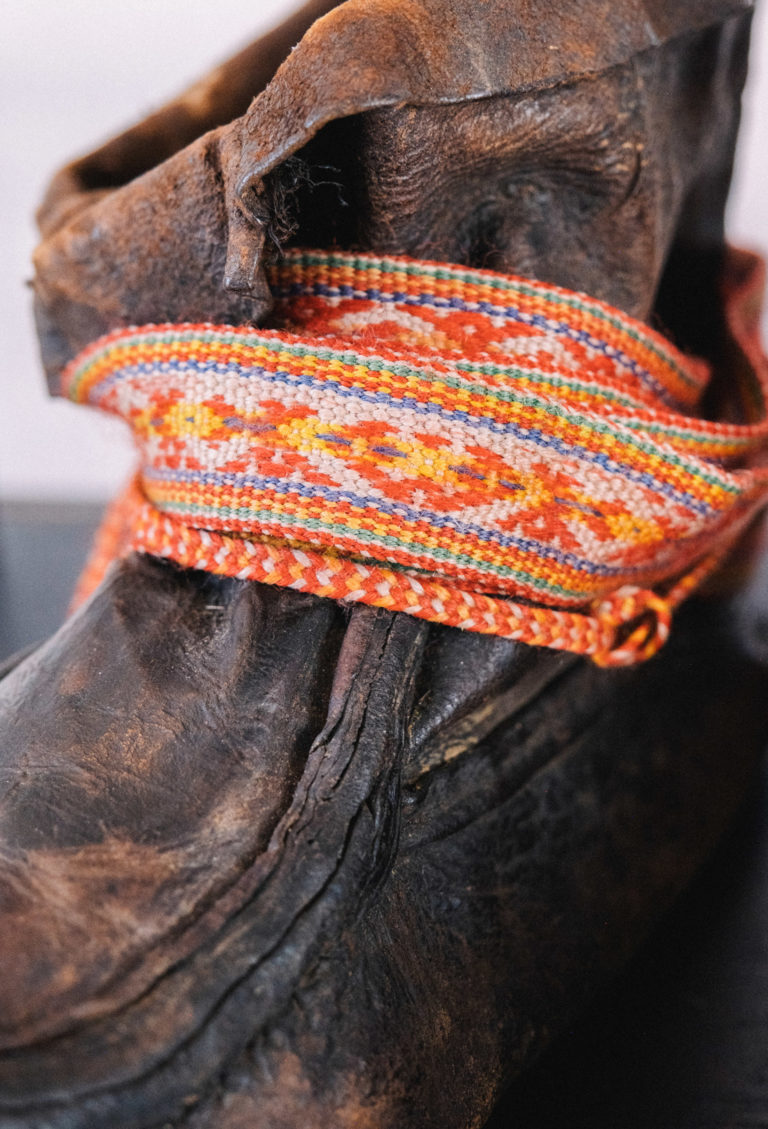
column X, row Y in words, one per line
column 73, row 72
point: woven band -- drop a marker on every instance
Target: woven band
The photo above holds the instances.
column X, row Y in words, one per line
column 475, row 449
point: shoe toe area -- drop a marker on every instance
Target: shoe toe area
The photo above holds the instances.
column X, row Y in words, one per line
column 149, row 750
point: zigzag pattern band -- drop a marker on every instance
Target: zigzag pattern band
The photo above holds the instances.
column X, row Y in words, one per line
column 479, row 450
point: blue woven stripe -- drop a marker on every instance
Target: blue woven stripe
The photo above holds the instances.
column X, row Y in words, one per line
column 531, row 435
column 511, row 312
column 399, row 509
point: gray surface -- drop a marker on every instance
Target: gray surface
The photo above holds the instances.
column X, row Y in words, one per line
column 42, row 549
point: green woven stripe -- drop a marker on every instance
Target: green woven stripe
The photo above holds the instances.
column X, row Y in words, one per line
column 349, row 357
column 372, row 364
column 689, row 435
column 447, row 274
column 268, row 517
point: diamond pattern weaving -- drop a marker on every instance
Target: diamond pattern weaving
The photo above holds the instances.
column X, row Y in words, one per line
column 479, row 450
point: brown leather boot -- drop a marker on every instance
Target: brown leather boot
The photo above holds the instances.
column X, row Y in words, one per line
column 271, row 861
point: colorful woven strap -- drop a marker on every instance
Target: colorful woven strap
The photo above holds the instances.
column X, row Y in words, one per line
column 478, row 450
